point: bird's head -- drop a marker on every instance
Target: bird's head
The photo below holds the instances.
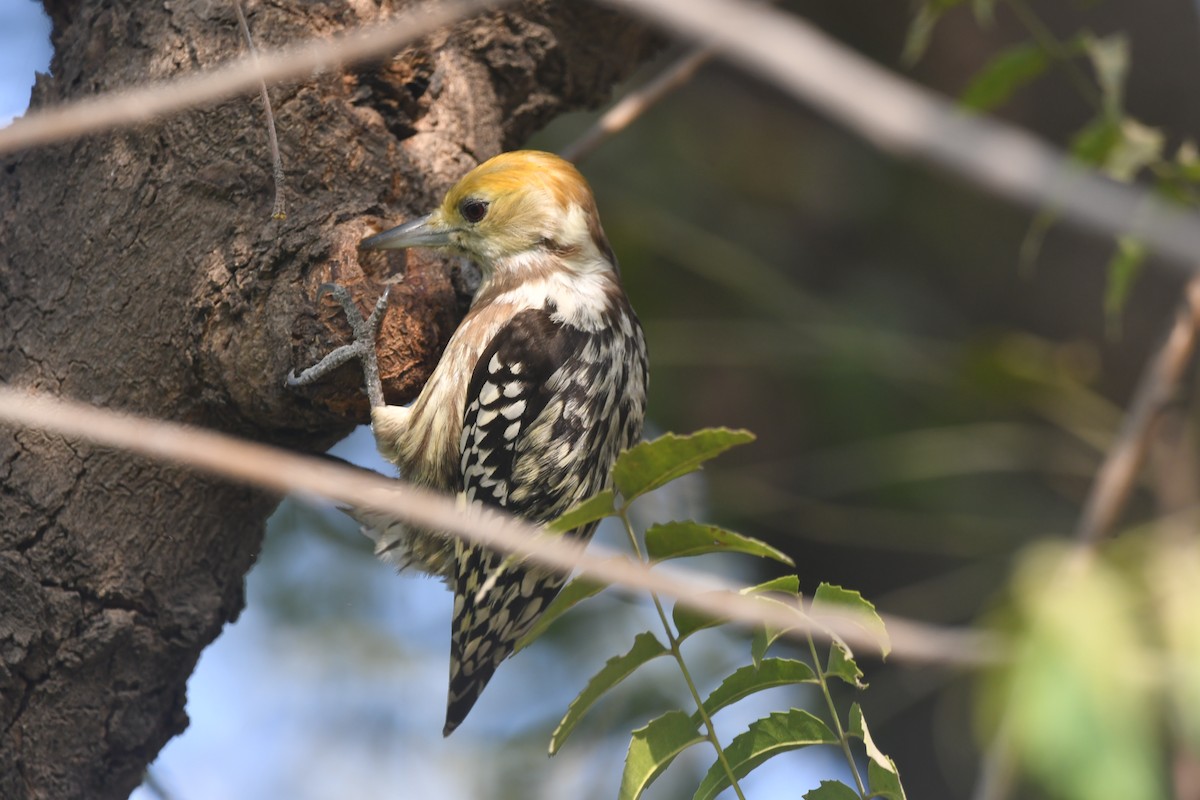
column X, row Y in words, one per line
column 516, row 209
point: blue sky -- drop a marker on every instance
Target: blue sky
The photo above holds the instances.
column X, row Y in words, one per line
column 24, row 48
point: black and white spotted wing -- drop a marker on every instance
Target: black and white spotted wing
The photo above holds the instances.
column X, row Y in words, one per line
column 548, row 409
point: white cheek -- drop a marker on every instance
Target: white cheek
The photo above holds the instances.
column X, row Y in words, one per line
column 574, row 227
column 574, row 230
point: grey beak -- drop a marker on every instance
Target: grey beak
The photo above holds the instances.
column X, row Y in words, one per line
column 423, row 232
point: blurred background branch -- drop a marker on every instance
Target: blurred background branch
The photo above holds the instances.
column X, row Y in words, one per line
column 1158, row 388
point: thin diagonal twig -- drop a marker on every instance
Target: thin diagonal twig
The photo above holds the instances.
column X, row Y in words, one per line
column 153, row 100
column 638, row 102
column 277, row 209
column 1115, row 480
column 1111, row 490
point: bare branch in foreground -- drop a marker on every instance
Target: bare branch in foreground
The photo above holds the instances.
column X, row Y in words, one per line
column 1115, row 479
column 903, row 118
column 896, row 115
column 282, row 471
column 132, row 106
column 637, row 103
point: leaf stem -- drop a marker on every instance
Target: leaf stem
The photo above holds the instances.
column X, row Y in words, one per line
column 677, row 653
column 843, row 739
column 1053, row 47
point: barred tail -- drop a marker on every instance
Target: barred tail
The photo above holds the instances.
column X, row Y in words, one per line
column 488, row 624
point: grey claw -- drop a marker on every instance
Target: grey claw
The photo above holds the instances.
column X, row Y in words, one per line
column 372, row 322
column 363, row 347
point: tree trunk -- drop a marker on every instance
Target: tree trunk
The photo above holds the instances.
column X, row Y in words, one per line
column 141, row 270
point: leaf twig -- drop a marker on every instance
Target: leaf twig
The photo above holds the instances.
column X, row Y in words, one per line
column 673, row 640
column 838, row 729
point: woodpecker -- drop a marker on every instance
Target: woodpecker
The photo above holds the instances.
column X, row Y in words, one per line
column 538, row 390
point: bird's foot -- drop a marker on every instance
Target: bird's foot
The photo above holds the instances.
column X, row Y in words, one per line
column 363, row 347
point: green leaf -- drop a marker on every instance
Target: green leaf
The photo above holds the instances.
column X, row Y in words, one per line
column 882, row 776
column 832, row 790
column 748, row 680
column 1138, row 147
column 1187, row 159
column 841, row 665
column 763, row 639
column 573, row 593
column 684, row 539
column 767, row 737
column 883, row 780
column 833, row 603
column 920, row 30
column 1177, row 178
column 1096, row 140
column 766, row 636
column 1123, row 270
column 594, row 508
column 1031, row 243
column 984, row 11
column 647, row 466
column 1080, row 714
column 1110, row 61
column 1174, row 572
column 645, row 648
column 785, row 584
column 1119, row 146
column 688, row 620
column 653, row 748
column 1008, row 71
column 858, row 726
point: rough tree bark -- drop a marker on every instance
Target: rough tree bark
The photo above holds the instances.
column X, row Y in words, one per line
column 140, row 270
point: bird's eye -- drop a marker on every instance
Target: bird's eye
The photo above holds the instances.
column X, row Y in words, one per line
column 473, row 210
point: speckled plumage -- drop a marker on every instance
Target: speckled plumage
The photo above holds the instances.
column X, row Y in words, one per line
column 538, row 390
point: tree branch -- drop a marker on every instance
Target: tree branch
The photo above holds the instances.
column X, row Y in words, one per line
column 894, row 114
column 134, row 106
column 638, row 102
column 281, row 471
column 907, row 120
column 1159, row 384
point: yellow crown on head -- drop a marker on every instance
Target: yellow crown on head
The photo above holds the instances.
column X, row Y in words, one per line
column 521, row 172
column 516, row 205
